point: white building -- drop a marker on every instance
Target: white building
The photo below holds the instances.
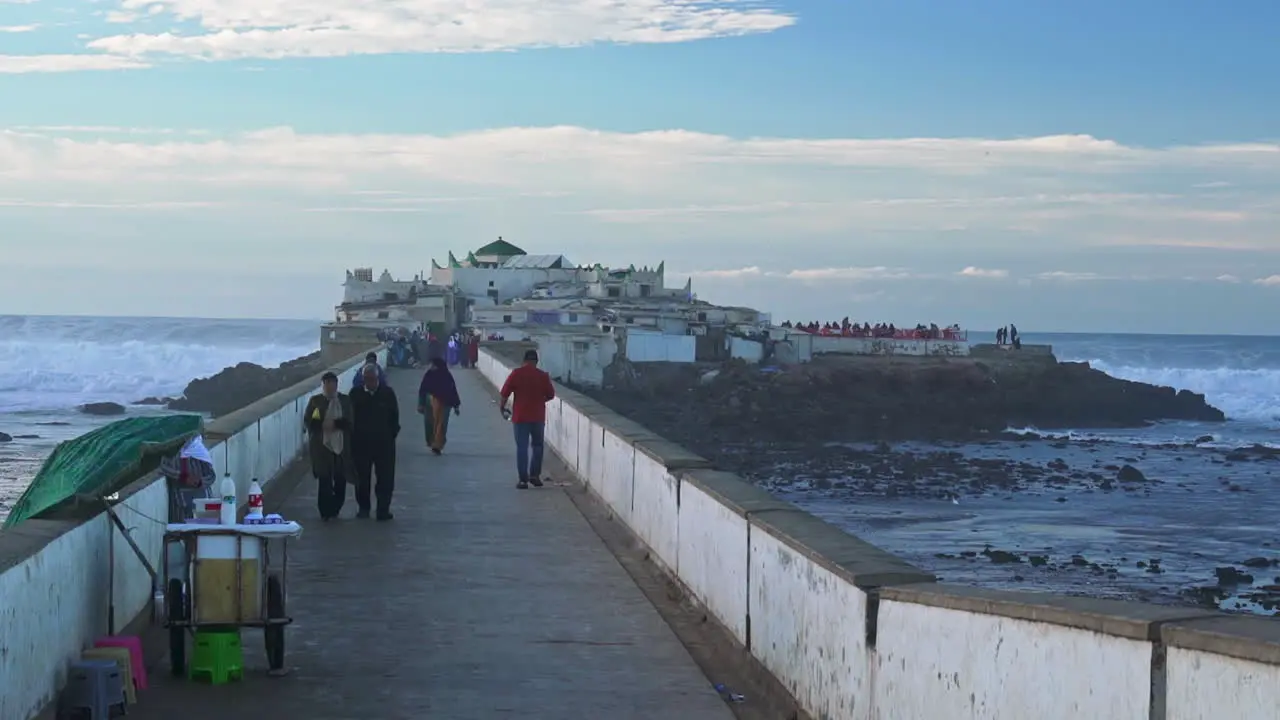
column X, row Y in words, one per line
column 501, row 272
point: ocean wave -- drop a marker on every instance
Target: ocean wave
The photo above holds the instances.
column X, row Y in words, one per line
column 49, row 364
column 1241, row 393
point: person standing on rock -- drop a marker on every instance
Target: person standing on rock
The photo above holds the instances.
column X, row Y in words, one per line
column 377, row 423
column 328, row 420
column 357, row 382
column 533, row 390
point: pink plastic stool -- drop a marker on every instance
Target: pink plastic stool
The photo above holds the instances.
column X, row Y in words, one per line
column 134, row 644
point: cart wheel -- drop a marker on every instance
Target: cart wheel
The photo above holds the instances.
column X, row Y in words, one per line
column 274, row 634
column 179, row 611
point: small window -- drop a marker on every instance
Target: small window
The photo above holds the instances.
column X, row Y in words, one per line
column 506, row 318
column 702, row 317
column 631, row 321
column 490, row 283
column 645, row 290
column 581, row 347
column 573, row 317
column 384, row 315
column 615, row 292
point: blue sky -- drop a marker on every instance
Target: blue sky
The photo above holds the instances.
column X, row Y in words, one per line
column 1067, row 166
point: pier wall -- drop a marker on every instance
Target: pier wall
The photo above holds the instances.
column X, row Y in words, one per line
column 60, row 581
column 854, row 632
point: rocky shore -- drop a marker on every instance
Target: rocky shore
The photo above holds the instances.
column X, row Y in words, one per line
column 240, row 385
column 916, row 455
column 852, row 399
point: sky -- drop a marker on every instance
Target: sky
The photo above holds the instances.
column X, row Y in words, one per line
column 1083, row 166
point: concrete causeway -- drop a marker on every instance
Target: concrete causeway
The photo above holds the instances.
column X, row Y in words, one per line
column 477, row 601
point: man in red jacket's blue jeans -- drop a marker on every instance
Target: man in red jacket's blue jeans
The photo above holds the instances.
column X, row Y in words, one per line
column 533, row 390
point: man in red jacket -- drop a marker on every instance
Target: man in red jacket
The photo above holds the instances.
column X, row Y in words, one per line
column 533, row 390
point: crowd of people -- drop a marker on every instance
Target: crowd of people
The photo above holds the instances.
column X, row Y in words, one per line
column 846, row 328
column 352, row 436
column 415, row 348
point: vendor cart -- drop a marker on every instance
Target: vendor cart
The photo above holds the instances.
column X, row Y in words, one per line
column 226, row 576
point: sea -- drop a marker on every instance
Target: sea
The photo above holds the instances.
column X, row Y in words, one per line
column 1206, row 520
column 1203, row 511
column 49, row 366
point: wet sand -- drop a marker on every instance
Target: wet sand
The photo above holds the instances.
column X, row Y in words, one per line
column 1053, row 515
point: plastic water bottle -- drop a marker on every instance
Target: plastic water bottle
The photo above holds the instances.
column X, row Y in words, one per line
column 228, row 493
column 255, row 500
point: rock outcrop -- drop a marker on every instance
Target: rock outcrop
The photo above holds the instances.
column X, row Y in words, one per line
column 243, row 384
column 888, row 398
column 102, row 408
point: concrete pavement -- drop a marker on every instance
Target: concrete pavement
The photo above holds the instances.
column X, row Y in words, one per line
column 477, row 601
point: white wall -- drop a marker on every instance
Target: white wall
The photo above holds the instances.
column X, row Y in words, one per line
column 579, row 359
column 744, row 349
column 656, row 347
column 853, row 632
column 54, row 603
column 884, row 346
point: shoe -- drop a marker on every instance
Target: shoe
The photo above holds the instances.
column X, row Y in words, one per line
column 535, row 481
column 362, row 514
column 434, row 451
column 384, row 516
column 522, row 485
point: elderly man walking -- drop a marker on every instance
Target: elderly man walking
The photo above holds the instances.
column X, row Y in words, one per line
column 377, row 423
column 328, row 420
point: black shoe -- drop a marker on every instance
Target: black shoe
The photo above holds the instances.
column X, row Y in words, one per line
column 535, row 481
column 363, row 514
column 384, row 516
column 435, row 451
column 522, row 485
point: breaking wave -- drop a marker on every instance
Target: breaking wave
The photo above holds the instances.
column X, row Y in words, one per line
column 57, row 363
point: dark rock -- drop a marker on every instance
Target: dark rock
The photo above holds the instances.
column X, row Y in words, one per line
column 1204, row 439
column 5, row 437
column 1229, row 576
column 22, row 437
column 102, row 408
column 1001, row 557
column 1130, row 474
column 883, row 399
column 153, row 400
column 1259, row 562
column 53, row 423
column 246, row 383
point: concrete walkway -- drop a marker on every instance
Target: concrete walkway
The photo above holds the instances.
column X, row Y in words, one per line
column 477, row 601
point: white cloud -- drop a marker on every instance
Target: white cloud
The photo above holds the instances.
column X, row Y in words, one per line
column 1270, row 280
column 776, row 191
column 18, row 28
column 1064, row 276
column 236, row 29
column 1228, row 279
column 977, row 272
column 20, row 64
column 848, row 274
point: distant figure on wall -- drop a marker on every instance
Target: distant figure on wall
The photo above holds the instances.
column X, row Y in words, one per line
column 533, row 390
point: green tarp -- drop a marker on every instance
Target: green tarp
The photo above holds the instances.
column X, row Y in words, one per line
column 103, row 461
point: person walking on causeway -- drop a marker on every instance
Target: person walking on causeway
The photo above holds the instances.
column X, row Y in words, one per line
column 328, row 420
column 533, row 390
column 437, row 399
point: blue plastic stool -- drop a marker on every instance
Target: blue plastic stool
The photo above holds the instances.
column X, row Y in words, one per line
column 94, row 687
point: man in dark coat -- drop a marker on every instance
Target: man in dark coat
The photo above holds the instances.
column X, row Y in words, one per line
column 328, row 420
column 377, row 423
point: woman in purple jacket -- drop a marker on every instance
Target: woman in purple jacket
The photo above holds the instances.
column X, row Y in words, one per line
column 437, row 398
